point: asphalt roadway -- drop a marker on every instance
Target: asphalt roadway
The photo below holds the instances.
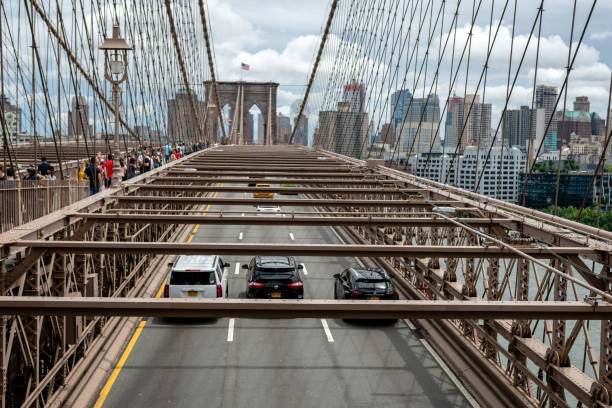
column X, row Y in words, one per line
column 285, row 362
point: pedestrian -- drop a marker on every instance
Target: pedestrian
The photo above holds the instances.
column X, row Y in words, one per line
column 156, row 161
column 81, row 172
column 108, row 171
column 102, row 173
column 94, row 174
column 43, row 167
column 123, row 169
column 51, row 174
column 131, row 170
column 30, row 175
column 146, row 164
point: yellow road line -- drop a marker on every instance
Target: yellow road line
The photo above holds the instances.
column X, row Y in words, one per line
column 126, row 353
column 124, row 357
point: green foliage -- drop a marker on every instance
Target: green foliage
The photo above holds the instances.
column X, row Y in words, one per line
column 608, row 168
column 588, row 217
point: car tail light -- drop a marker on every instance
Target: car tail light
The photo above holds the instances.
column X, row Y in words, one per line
column 392, row 293
column 166, row 291
column 256, row 285
column 296, row 285
column 356, row 293
column 219, row 291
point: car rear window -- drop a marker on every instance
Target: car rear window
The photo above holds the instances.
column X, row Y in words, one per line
column 373, row 284
column 192, row 278
column 276, row 270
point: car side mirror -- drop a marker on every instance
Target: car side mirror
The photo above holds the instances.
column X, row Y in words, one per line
column 337, row 275
column 245, row 266
column 300, row 266
column 170, row 264
column 226, row 265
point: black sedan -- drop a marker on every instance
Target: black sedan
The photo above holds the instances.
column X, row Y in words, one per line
column 274, row 277
column 369, row 284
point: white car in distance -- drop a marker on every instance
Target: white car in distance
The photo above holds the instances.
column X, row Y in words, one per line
column 268, row 210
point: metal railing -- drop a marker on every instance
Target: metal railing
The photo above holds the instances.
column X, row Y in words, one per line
column 22, row 201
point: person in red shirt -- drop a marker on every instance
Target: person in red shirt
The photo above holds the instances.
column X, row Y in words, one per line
column 108, row 171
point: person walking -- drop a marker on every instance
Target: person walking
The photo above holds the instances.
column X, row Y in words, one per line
column 94, row 174
column 108, row 171
column 43, row 167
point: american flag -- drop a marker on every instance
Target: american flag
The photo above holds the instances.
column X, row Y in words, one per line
column 244, row 67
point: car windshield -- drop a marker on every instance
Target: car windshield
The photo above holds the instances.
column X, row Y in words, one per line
column 372, row 284
column 192, row 278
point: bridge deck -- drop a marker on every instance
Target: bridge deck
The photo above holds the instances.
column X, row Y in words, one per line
column 282, row 363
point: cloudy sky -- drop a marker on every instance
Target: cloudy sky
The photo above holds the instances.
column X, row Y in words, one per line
column 279, row 38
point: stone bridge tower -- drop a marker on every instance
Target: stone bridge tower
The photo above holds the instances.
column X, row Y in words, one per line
column 241, row 96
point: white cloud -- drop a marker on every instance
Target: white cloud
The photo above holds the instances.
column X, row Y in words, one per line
column 601, row 36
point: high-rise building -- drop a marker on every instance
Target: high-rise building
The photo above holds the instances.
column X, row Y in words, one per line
column 12, row 119
column 387, row 134
column 582, row 103
column 471, row 123
column 343, row 131
column 399, row 105
column 420, row 129
column 465, row 170
column 448, row 126
column 546, row 97
column 182, row 126
column 301, row 132
column 598, row 125
column 516, row 125
column 578, row 122
column 354, row 94
column 78, row 119
column 283, row 126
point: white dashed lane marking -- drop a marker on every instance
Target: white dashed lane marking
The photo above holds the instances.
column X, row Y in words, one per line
column 240, row 236
column 304, row 269
column 291, row 236
column 330, row 338
column 237, row 271
column 230, row 331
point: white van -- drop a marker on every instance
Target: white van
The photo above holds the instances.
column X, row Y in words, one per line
column 197, row 276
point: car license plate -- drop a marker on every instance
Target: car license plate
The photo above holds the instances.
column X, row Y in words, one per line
column 192, row 293
column 374, row 298
column 276, row 294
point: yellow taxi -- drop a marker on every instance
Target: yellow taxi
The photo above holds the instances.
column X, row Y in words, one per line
column 263, row 194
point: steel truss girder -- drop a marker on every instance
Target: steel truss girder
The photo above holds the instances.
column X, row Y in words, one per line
column 285, row 201
column 306, row 308
column 283, row 190
column 289, row 220
column 412, row 251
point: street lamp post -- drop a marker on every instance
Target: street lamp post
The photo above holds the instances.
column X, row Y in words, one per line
column 115, row 71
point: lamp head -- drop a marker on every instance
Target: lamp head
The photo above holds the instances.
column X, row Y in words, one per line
column 115, row 43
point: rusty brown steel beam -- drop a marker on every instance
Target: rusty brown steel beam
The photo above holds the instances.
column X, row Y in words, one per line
column 285, row 201
column 342, row 169
column 265, row 173
column 244, row 180
column 409, row 251
column 285, row 190
column 289, row 220
column 307, row 308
